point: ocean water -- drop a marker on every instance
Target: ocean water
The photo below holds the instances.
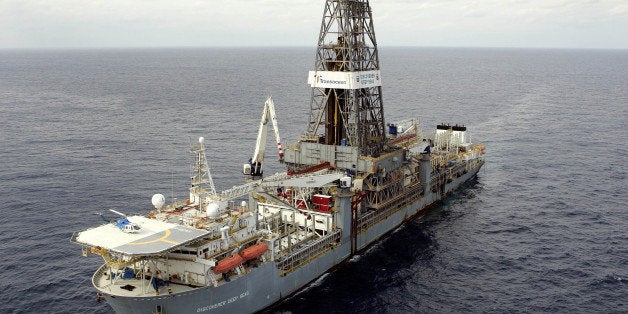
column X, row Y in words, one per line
column 543, row 227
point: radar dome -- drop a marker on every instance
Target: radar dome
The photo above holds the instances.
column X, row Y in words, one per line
column 201, row 140
column 158, row 201
column 213, row 210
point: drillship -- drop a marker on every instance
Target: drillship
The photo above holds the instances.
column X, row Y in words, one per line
column 350, row 178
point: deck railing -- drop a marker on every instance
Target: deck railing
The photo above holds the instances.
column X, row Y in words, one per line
column 307, row 254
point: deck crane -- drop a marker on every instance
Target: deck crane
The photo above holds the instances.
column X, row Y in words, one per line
column 254, row 166
column 202, row 190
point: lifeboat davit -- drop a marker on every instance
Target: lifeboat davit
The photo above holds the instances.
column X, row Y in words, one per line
column 254, row 251
column 228, row 263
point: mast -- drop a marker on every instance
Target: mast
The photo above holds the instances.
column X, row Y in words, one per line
column 346, row 101
column 202, row 184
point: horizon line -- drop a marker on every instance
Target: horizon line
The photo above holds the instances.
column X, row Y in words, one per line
column 294, row 47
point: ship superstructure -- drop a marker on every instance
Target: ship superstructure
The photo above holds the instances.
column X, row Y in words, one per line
column 350, row 179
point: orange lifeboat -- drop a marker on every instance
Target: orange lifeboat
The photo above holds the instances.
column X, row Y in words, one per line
column 228, row 263
column 254, row 251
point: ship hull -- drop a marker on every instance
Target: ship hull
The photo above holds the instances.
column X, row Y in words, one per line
column 264, row 285
column 376, row 231
column 259, row 289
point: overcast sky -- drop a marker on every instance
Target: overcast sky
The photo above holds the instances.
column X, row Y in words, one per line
column 171, row 23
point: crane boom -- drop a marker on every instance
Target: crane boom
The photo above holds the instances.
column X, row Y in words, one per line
column 254, row 167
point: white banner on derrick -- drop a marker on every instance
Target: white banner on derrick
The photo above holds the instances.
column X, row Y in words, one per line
column 344, row 80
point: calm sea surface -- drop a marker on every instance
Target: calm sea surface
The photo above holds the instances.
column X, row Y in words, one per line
column 543, row 228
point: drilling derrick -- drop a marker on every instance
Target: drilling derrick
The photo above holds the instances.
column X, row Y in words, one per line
column 346, row 104
column 346, row 129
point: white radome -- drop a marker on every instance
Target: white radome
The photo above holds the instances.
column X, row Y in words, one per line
column 158, row 201
column 212, row 210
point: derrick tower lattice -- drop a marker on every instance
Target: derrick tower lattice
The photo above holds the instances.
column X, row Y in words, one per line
column 346, row 100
